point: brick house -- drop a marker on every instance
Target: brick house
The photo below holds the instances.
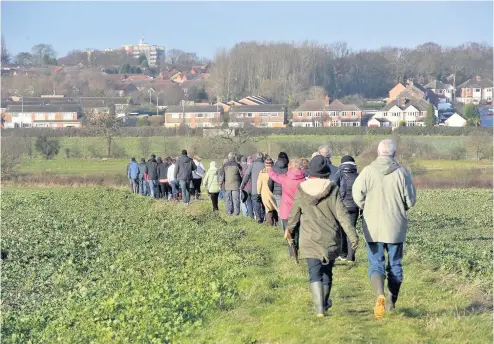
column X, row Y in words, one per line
column 48, row 116
column 311, row 113
column 321, row 113
column 342, row 115
column 262, row 116
column 195, row 116
column 475, row 91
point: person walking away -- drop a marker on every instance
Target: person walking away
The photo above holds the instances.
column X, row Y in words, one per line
column 344, row 179
column 317, row 209
column 152, row 167
column 385, row 192
column 251, row 176
column 280, row 167
column 133, row 175
column 157, row 191
column 247, row 209
column 143, row 170
column 289, row 182
column 326, row 152
column 197, row 176
column 172, row 181
column 267, row 196
column 232, row 178
column 163, row 178
column 183, row 173
column 212, row 185
column 220, row 179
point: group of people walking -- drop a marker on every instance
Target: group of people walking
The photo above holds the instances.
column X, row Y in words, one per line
column 315, row 204
column 171, row 179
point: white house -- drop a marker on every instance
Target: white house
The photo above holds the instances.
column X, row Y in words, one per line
column 378, row 122
column 445, row 91
column 455, row 120
column 408, row 109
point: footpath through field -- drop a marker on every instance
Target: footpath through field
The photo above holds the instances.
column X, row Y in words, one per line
column 275, row 304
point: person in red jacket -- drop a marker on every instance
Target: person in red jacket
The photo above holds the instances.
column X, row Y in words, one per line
column 289, row 182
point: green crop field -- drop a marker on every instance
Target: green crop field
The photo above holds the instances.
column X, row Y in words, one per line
column 105, row 266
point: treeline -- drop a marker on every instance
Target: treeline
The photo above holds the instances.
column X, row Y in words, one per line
column 287, row 72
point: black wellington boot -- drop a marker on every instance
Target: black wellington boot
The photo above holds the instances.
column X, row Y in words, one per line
column 328, row 303
column 393, row 292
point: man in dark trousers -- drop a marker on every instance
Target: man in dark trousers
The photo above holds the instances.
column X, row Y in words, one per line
column 143, row 170
column 183, row 173
column 152, row 166
column 344, row 178
column 251, row 175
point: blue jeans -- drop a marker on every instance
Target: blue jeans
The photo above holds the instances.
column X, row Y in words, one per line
column 152, row 184
column 247, row 209
column 185, row 187
column 377, row 261
column 142, row 186
column 174, row 185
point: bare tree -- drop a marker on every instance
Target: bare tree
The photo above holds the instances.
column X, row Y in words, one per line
column 108, row 125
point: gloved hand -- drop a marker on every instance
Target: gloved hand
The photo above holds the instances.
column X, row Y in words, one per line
column 355, row 244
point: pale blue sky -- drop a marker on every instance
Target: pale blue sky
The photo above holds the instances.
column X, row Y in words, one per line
column 203, row 27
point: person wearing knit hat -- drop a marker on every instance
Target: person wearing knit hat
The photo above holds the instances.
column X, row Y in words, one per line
column 344, row 179
column 318, row 210
column 280, row 167
column 267, row 196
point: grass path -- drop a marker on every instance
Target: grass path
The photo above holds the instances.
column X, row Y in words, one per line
column 276, row 305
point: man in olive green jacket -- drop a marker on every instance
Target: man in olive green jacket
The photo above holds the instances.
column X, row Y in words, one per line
column 385, row 192
column 318, row 208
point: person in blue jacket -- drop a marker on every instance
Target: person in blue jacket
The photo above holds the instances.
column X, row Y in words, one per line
column 133, row 175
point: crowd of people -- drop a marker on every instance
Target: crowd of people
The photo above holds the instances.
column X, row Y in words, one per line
column 315, row 204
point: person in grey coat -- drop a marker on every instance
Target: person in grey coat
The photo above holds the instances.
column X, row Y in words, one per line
column 183, row 173
column 385, row 192
column 143, row 170
column 251, row 175
column 231, row 178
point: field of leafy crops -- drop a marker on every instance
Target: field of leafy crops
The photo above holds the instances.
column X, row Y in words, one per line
column 101, row 265
column 105, row 265
column 452, row 229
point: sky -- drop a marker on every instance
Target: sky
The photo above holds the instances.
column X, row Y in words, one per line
column 205, row 27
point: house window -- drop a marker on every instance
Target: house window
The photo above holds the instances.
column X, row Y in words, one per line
column 354, row 113
column 211, row 115
column 40, row 116
column 309, row 114
column 343, row 113
column 318, row 114
column 488, row 90
column 199, row 115
column 385, row 114
column 317, row 124
column 274, row 114
column 335, row 123
column 264, row 114
column 477, row 90
column 300, row 114
column 68, row 116
column 51, row 116
column 176, row 115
